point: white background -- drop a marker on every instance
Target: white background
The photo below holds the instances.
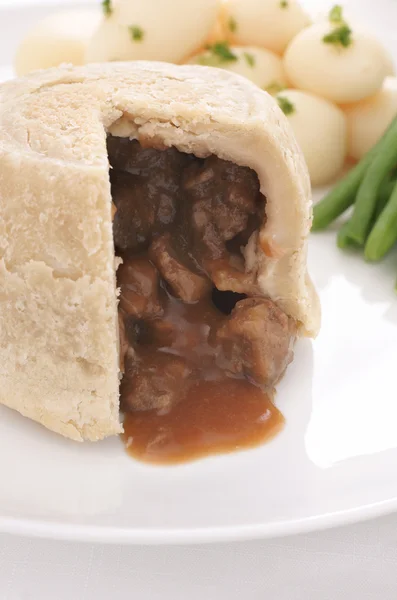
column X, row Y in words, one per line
column 353, row 563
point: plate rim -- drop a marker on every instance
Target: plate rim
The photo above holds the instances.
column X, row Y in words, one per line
column 54, row 530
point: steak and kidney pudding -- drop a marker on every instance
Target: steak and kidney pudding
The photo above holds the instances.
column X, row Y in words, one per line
column 201, row 346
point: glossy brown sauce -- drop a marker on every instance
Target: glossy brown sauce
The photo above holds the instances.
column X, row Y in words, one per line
column 213, row 417
column 201, row 348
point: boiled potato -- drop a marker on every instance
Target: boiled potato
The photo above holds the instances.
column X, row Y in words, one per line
column 368, row 120
column 268, row 23
column 260, row 66
column 340, row 74
column 153, row 30
column 320, row 130
column 59, row 38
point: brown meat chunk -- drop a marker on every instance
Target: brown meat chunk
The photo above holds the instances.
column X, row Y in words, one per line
column 143, row 209
column 256, row 341
column 184, row 283
column 139, row 286
column 223, row 194
column 228, row 274
column 157, row 382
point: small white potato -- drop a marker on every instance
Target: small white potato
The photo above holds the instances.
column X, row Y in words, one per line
column 340, row 74
column 153, row 30
column 320, row 130
column 368, row 120
column 59, row 38
column 257, row 64
column 269, row 24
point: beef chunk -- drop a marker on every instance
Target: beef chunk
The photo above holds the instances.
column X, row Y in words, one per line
column 143, row 209
column 184, row 283
column 139, row 289
column 223, row 195
column 228, row 274
column 256, row 341
column 227, row 278
column 157, row 382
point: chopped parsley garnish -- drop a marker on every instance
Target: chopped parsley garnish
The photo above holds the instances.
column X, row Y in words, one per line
column 107, row 7
column 284, row 3
column 250, row 58
column 137, row 33
column 222, row 51
column 336, row 14
column 232, row 24
column 341, row 36
column 286, row 106
column 275, row 87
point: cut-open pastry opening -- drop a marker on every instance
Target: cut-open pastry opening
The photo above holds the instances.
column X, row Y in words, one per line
column 201, row 347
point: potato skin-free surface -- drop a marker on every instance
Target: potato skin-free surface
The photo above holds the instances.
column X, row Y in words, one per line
column 342, row 75
column 153, row 30
column 270, row 24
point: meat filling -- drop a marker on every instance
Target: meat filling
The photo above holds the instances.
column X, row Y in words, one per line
column 189, row 309
column 156, row 381
column 255, row 341
column 184, row 283
column 139, row 284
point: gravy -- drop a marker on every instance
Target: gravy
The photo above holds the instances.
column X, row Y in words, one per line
column 213, row 417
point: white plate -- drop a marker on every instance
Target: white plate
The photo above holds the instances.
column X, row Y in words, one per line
column 335, row 462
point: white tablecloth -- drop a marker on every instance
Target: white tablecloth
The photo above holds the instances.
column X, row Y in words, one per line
column 352, row 563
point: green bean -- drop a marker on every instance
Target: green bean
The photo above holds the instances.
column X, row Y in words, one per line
column 343, row 241
column 367, row 196
column 384, row 233
column 342, row 196
column 385, row 192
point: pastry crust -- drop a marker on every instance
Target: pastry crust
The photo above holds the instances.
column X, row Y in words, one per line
column 58, row 302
